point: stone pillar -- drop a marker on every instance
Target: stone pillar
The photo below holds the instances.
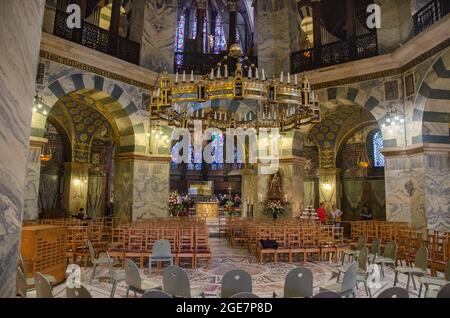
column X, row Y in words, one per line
column 417, row 186
column 201, row 14
column 156, row 33
column 141, row 186
column 329, row 187
column 20, row 20
column 32, row 178
column 292, row 174
column 232, row 10
column 396, row 24
column 76, row 181
column 278, row 35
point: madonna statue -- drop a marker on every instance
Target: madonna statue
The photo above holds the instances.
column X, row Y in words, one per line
column 275, row 191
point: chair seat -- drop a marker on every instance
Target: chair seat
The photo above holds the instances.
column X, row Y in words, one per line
column 355, row 253
column 384, row 260
column 147, row 285
column 335, row 287
column 437, row 281
column 118, row 275
column 102, row 259
column 161, row 258
column 51, row 279
column 197, row 293
column 411, row 270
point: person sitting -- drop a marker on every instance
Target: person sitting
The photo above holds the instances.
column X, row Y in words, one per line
column 81, row 215
column 365, row 214
column 336, row 214
column 322, row 213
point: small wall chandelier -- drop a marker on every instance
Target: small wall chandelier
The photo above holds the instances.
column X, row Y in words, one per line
column 46, row 152
column 286, row 102
column 363, row 158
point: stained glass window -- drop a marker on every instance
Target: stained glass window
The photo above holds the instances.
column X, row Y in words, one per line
column 378, row 157
column 179, row 39
column 220, row 43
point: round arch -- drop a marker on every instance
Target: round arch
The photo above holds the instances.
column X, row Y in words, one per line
column 110, row 99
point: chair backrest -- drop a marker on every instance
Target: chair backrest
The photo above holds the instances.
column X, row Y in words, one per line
column 156, row 294
column 327, row 294
column 132, row 275
column 349, row 280
column 362, row 259
column 421, row 260
column 110, row 265
column 361, row 243
column 80, row 292
column 394, row 292
column 176, row 282
column 244, row 295
column 375, row 247
column 444, row 292
column 43, row 287
column 161, row 248
column 234, row 282
column 21, row 284
column 299, row 283
column 391, row 250
column 91, row 250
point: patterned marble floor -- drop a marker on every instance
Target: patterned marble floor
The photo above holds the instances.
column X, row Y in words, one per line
column 267, row 278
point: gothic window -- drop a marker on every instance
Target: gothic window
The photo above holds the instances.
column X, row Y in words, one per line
column 179, row 47
column 378, row 158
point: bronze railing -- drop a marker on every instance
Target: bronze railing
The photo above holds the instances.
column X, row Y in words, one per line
column 98, row 39
column 430, row 14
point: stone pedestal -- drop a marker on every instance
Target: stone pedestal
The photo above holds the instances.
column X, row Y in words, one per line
column 329, row 188
column 21, row 23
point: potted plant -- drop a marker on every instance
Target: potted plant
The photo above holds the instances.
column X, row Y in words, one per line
column 274, row 208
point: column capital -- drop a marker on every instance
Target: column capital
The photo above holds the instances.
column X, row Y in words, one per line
column 293, row 160
column 417, row 149
column 38, row 142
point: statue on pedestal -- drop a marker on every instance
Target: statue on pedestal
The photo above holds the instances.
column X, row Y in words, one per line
column 275, row 191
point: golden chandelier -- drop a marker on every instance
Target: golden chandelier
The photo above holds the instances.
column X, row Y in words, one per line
column 284, row 103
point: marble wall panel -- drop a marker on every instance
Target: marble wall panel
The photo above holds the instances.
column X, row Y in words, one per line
column 31, row 210
column 20, row 22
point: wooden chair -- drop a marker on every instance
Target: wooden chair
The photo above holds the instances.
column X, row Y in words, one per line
column 186, row 246
column 135, row 246
column 283, row 246
column 310, row 242
column 202, row 250
column 265, row 233
column 293, row 238
column 116, row 248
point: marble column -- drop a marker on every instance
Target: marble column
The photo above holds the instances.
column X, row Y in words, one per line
column 278, row 35
column 20, row 22
column 76, row 183
column 142, row 185
column 32, row 178
column 418, row 186
column 329, row 187
column 157, row 34
column 396, row 24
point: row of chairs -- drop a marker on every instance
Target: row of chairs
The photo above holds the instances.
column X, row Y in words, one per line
column 184, row 243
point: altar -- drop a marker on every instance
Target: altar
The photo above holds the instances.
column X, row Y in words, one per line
column 207, row 209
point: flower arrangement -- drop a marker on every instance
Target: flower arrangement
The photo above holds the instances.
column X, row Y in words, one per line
column 229, row 206
column 274, row 208
column 175, row 203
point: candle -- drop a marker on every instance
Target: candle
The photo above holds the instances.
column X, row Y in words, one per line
column 263, row 75
column 203, row 113
column 184, row 76
column 211, row 77
column 240, row 117
column 192, row 76
column 257, row 73
column 296, row 80
column 226, row 71
column 286, row 198
column 261, row 198
column 176, row 78
column 289, row 78
column 250, row 72
column 218, row 72
column 281, row 77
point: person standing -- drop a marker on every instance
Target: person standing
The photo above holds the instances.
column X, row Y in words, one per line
column 336, row 214
column 322, row 213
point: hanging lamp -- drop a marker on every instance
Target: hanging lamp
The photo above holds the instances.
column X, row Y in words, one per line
column 363, row 158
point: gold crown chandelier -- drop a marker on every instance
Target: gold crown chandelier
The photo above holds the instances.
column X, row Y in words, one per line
column 285, row 102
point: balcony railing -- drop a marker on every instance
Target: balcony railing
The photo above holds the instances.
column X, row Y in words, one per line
column 430, row 14
column 202, row 63
column 98, row 39
column 335, row 53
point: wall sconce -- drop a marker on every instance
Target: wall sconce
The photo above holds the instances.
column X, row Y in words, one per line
column 327, row 186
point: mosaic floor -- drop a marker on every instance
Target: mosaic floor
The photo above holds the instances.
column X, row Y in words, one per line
column 267, row 278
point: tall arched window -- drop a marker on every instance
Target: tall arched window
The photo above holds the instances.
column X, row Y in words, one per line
column 377, row 144
column 179, row 39
column 220, row 41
